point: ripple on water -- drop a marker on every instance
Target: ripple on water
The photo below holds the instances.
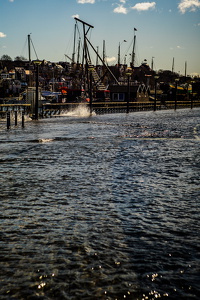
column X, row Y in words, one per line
column 101, row 208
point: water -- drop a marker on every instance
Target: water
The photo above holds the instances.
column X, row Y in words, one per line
column 101, row 207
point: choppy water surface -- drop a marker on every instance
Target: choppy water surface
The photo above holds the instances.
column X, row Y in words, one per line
column 101, row 207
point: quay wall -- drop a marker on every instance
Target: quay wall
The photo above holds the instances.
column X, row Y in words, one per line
column 53, row 109
column 49, row 110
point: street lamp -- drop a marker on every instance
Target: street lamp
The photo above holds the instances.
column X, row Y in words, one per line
column 128, row 74
column 176, row 88
column 37, row 63
column 155, row 83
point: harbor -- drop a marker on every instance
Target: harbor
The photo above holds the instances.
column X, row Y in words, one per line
column 99, row 174
column 12, row 114
column 47, row 88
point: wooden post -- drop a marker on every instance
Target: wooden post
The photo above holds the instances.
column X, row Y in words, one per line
column 36, row 96
column 22, row 119
column 15, row 118
column 128, row 74
column 8, row 120
column 90, row 91
column 128, row 99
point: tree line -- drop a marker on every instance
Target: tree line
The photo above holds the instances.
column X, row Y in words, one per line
column 17, row 58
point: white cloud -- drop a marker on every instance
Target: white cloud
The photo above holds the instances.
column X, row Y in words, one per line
column 2, row 35
column 144, row 6
column 191, row 5
column 11, row 0
column 75, row 16
column 120, row 10
column 86, row 1
column 195, row 75
column 110, row 59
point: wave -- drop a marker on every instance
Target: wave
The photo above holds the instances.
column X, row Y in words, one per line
column 80, row 111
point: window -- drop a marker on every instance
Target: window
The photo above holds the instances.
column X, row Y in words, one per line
column 118, row 97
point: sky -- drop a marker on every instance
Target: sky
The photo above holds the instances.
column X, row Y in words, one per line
column 166, row 30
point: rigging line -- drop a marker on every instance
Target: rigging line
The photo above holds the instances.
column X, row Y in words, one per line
column 79, row 46
column 68, row 45
column 25, row 44
column 137, row 55
column 128, row 48
column 34, row 49
column 79, row 39
column 128, row 52
column 79, row 36
column 78, row 30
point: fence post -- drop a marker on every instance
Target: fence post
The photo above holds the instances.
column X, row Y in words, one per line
column 16, row 118
column 8, row 120
column 22, row 119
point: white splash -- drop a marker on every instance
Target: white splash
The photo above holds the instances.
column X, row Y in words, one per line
column 45, row 140
column 79, row 111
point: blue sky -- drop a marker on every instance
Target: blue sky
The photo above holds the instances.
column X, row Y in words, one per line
column 165, row 29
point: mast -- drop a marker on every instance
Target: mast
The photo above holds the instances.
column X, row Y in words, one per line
column 85, row 58
column 119, row 52
column 133, row 52
column 29, row 59
column 73, row 54
column 85, row 50
column 119, row 55
column 104, row 52
column 152, row 63
column 29, row 48
column 185, row 68
column 78, row 55
column 173, row 65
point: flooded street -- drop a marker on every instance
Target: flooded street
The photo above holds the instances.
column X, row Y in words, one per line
column 101, row 207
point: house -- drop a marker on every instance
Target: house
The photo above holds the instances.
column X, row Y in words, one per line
column 138, row 92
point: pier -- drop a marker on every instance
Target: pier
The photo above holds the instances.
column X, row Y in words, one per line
column 49, row 110
column 55, row 109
